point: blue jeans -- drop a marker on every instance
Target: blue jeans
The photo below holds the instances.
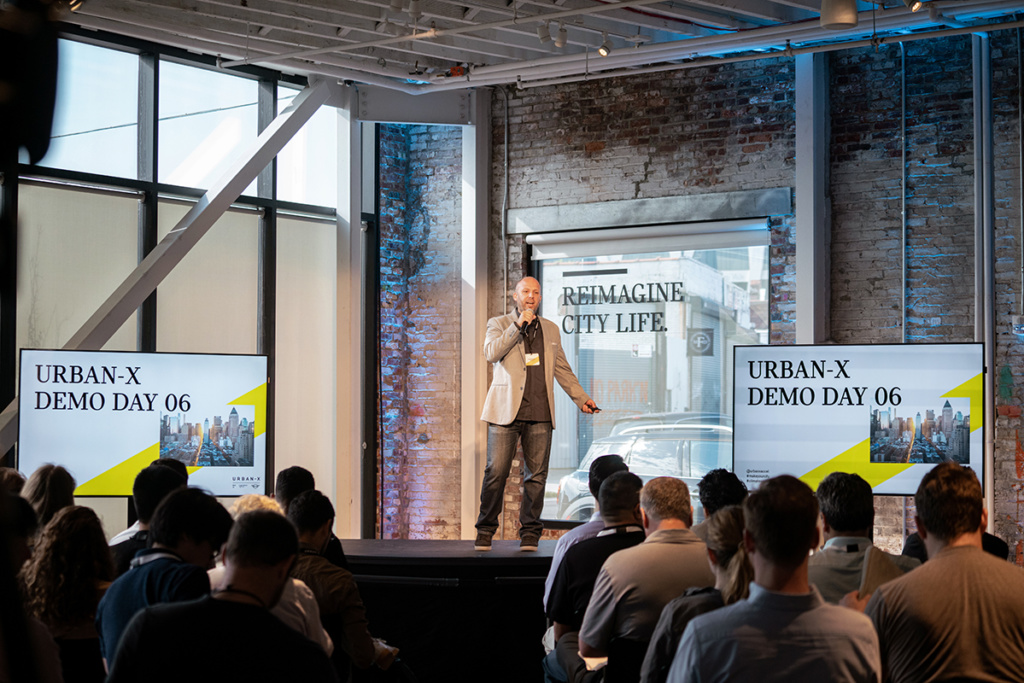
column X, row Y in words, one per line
column 501, row 448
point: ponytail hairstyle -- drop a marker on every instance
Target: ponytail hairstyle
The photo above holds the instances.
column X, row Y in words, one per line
column 725, row 538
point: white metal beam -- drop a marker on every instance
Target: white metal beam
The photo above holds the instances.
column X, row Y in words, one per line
column 813, row 220
column 476, row 167
column 348, row 428
column 144, row 280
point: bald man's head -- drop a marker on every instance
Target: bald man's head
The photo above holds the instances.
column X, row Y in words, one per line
column 527, row 294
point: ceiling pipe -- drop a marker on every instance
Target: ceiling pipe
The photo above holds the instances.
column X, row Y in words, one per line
column 753, row 39
column 437, row 33
column 712, row 61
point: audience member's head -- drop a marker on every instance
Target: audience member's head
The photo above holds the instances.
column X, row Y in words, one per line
column 602, row 468
column 70, row 560
column 619, row 497
column 260, row 552
column 310, row 511
column 172, row 464
column 192, row 523
column 847, row 505
column 152, row 485
column 292, row 481
column 781, row 517
column 251, row 502
column 949, row 502
column 666, row 498
column 49, row 488
column 261, row 538
column 11, row 480
column 718, row 489
column 728, row 556
column 23, row 525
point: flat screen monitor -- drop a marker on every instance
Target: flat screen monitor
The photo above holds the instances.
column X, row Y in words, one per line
column 886, row 412
column 105, row 415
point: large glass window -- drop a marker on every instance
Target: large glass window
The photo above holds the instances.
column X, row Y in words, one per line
column 207, row 120
column 208, row 303
column 95, row 124
column 74, row 249
column 306, row 284
column 307, row 167
column 650, row 337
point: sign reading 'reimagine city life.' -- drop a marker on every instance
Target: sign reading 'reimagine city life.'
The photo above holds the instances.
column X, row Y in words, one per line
column 886, row 412
column 106, row 415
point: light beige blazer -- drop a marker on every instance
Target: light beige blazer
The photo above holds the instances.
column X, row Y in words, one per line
column 504, row 347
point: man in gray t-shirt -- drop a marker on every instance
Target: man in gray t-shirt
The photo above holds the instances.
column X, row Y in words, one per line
column 635, row 584
column 960, row 615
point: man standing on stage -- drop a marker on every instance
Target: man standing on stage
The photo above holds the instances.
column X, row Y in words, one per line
column 526, row 351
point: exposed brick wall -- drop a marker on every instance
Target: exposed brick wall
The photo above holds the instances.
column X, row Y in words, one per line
column 866, row 172
column 690, row 132
column 1008, row 512
column 420, row 268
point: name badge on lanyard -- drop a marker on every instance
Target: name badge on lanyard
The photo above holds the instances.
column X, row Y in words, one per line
column 532, row 359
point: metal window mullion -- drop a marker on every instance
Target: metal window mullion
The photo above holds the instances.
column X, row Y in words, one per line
column 266, row 313
column 148, row 137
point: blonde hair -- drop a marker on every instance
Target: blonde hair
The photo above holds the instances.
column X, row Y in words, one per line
column 252, row 502
column 725, row 538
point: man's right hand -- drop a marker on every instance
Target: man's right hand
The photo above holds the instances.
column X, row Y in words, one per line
column 526, row 317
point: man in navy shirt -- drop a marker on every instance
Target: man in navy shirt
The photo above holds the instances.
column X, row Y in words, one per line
column 230, row 636
column 187, row 529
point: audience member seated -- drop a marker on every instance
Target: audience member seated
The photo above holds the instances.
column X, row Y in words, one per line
column 784, row 631
column 914, row 547
column 600, row 469
column 27, row 650
column 297, row 607
column 718, row 489
column 23, row 526
column 635, row 584
column 176, row 466
column 733, row 575
column 341, row 607
column 230, row 636
column 847, row 518
column 959, row 616
column 11, row 480
column 290, row 483
column 69, row 572
column 49, row 489
column 619, row 498
column 151, row 486
column 187, row 529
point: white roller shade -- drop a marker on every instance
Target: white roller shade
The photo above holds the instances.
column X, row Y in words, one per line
column 652, row 239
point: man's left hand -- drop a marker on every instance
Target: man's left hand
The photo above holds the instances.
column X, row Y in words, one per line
column 589, row 407
column 852, row 600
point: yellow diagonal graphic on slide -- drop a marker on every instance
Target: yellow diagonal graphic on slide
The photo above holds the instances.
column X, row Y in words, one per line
column 258, row 399
column 856, row 460
column 118, row 480
column 973, row 389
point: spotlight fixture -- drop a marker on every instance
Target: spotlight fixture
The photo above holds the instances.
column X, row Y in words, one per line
column 606, row 45
column 913, row 5
column 544, row 33
column 414, row 10
column 563, row 36
column 396, row 5
column 839, row 14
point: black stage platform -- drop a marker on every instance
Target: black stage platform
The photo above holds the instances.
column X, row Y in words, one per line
column 456, row 613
